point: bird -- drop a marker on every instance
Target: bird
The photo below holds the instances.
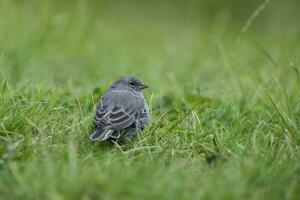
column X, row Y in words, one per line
column 122, row 111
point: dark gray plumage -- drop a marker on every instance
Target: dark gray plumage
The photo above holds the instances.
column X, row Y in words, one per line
column 122, row 111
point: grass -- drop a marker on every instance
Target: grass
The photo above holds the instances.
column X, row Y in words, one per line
column 224, row 103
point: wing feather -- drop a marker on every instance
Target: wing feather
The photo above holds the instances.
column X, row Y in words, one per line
column 118, row 110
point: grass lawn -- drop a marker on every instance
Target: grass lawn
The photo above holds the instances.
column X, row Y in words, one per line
column 224, row 99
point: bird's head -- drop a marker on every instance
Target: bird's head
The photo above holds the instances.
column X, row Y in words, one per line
column 129, row 83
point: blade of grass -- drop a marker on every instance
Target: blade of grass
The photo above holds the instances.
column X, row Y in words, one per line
column 183, row 117
column 286, row 122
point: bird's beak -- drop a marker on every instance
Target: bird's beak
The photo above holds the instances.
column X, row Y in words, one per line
column 143, row 86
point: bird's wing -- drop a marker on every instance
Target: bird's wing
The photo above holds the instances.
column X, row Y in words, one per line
column 117, row 110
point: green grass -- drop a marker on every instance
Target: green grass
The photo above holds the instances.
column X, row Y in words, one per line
column 225, row 106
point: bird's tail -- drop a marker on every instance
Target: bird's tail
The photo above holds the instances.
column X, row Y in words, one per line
column 100, row 134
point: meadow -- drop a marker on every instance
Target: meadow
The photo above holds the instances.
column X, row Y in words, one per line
column 224, row 99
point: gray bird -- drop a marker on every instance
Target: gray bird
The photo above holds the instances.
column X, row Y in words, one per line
column 121, row 112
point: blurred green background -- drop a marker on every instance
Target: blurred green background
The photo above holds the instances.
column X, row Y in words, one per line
column 96, row 41
column 238, row 61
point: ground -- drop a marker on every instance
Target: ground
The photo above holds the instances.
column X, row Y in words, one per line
column 224, row 99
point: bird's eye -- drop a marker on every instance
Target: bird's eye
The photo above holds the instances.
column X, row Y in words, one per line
column 131, row 83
